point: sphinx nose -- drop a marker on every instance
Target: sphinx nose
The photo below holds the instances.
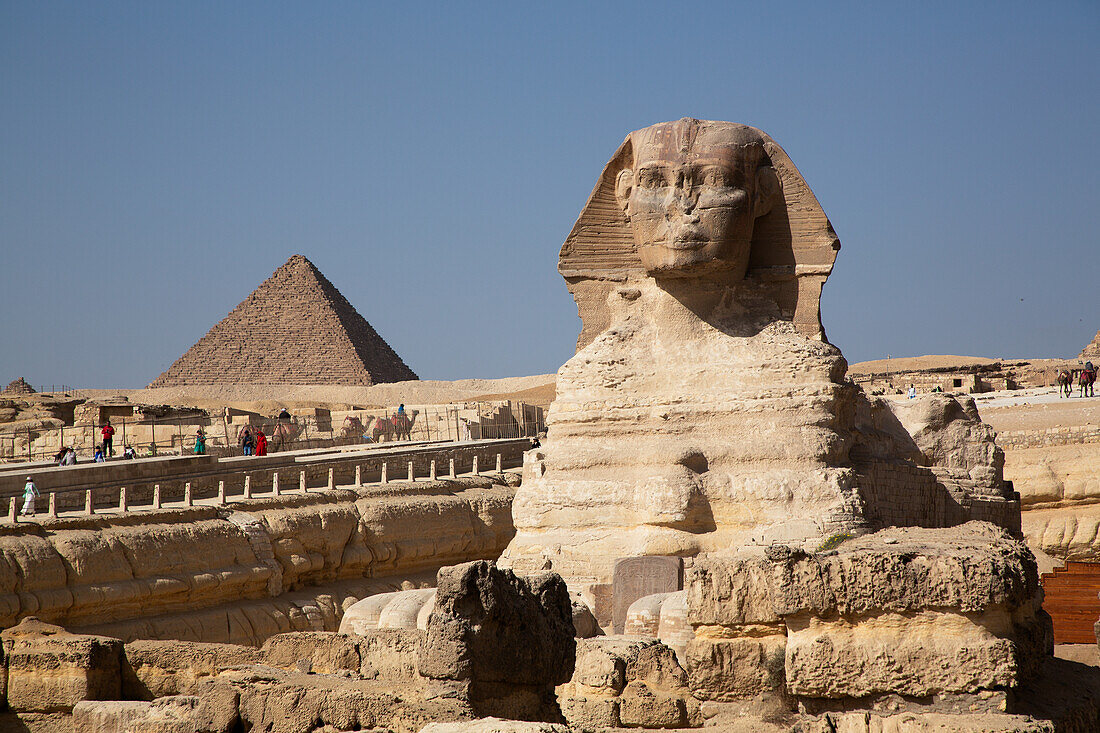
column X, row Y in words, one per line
column 681, row 200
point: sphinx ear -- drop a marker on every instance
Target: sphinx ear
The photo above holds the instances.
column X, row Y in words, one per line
column 768, row 190
column 624, row 184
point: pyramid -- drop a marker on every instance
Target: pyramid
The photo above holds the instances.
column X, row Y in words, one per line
column 1092, row 350
column 295, row 328
column 18, row 386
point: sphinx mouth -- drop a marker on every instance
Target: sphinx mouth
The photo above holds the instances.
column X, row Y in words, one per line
column 683, row 243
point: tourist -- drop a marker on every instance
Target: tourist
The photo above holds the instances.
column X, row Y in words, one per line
column 70, row 457
column 535, row 443
column 151, row 450
column 30, row 491
column 60, row 456
column 912, row 391
column 247, row 441
column 108, row 431
column 129, row 453
column 261, row 443
column 466, row 429
column 98, row 456
column 200, row 442
column 401, row 410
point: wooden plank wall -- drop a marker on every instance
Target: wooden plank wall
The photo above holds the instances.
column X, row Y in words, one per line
column 1072, row 598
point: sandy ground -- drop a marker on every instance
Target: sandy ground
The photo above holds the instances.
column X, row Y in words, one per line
column 911, row 363
column 1037, row 409
column 1083, row 653
column 537, row 389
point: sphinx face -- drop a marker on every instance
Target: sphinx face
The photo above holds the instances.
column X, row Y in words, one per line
column 692, row 196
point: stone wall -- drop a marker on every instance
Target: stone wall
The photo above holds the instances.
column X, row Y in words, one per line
column 205, row 472
column 1071, row 435
column 227, row 575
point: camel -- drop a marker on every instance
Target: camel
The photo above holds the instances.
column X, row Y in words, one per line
column 353, row 427
column 283, row 432
column 403, row 425
column 394, row 427
column 1065, row 383
column 1085, row 381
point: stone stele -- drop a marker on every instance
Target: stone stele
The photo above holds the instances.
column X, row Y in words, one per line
column 704, row 409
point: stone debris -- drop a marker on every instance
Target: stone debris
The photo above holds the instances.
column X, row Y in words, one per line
column 295, row 328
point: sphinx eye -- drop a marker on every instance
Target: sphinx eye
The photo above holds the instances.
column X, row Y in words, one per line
column 651, row 178
column 715, row 177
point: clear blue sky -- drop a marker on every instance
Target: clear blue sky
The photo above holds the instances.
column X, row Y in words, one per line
column 160, row 160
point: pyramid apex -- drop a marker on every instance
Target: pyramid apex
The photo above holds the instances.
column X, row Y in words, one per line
column 298, row 261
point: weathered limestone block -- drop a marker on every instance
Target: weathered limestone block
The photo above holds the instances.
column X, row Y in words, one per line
column 908, row 611
column 584, row 621
column 178, row 714
column 950, row 434
column 154, row 668
column 50, row 670
column 642, row 707
column 915, row 654
column 626, row 681
column 491, row 625
column 283, row 701
column 316, row 652
column 725, row 669
column 1056, row 475
column 390, row 654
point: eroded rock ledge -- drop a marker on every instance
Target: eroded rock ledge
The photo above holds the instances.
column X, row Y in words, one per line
column 287, row 564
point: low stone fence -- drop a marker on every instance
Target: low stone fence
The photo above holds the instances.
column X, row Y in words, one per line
column 1073, row 435
column 122, row 486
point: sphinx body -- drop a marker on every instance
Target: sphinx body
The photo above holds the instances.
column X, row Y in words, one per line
column 704, row 410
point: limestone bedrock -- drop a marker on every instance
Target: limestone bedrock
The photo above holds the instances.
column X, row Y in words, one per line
column 704, row 409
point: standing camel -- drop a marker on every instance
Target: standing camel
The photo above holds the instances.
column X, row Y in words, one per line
column 1085, row 381
column 383, row 429
column 403, row 425
column 1065, row 383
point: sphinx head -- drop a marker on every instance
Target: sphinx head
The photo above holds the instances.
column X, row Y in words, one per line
column 692, row 194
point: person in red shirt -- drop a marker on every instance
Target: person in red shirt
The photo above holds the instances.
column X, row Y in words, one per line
column 108, row 431
column 261, row 443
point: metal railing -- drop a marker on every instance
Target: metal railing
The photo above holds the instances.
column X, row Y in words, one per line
column 154, row 499
column 224, row 435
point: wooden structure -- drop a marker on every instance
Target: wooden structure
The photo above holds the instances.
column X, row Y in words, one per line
column 1072, row 598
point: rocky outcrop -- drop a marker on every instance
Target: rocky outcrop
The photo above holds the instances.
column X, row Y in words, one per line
column 49, row 670
column 909, row 612
column 510, row 638
column 627, row 682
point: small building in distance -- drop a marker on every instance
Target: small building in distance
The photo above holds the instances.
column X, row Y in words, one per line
column 956, row 379
column 295, row 328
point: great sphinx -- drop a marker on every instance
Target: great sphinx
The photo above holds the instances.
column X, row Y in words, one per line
column 705, row 410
